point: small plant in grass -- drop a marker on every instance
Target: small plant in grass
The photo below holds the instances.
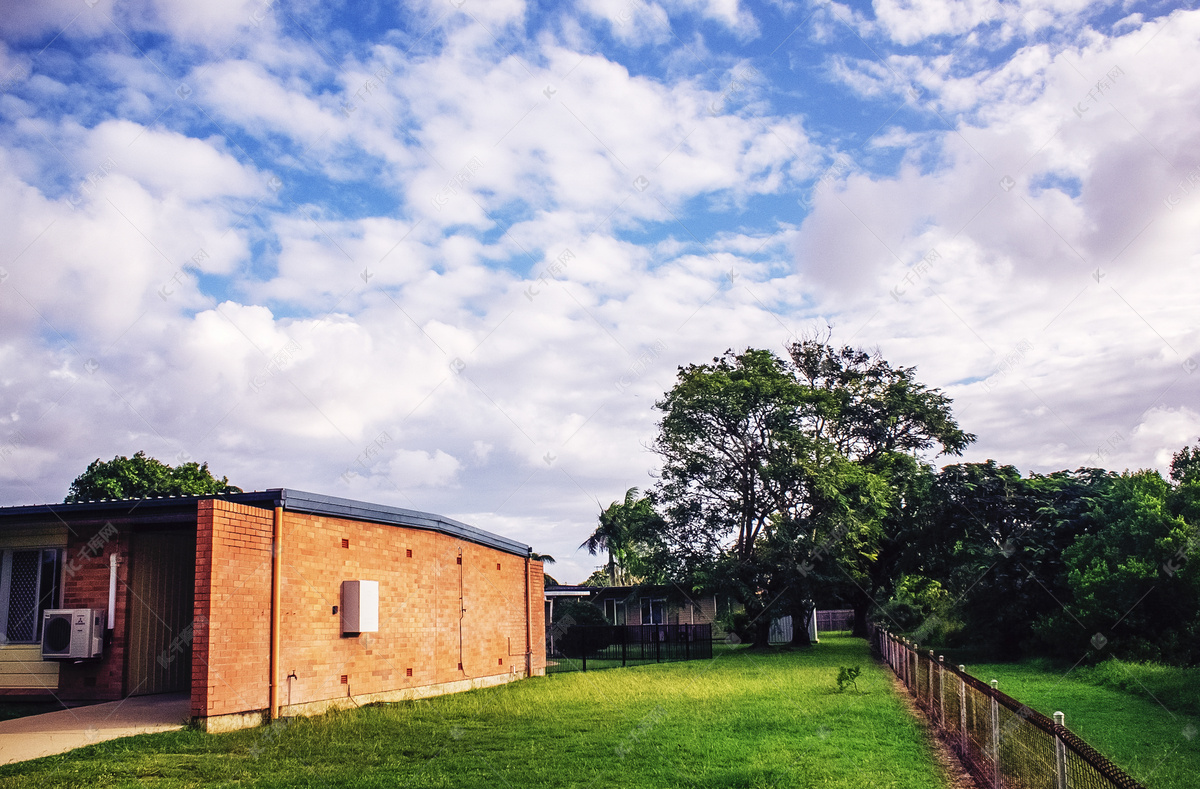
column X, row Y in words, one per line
column 847, row 675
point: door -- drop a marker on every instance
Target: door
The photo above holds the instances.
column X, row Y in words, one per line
column 162, row 579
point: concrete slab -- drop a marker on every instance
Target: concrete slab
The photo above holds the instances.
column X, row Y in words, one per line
column 64, row 730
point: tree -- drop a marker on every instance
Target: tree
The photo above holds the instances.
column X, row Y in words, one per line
column 1185, row 465
column 776, row 474
column 1128, row 596
column 141, row 476
column 881, row 418
column 624, row 531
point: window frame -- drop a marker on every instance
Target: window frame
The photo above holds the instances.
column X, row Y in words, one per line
column 648, row 605
column 55, row 589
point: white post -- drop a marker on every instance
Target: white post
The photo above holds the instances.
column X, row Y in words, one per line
column 962, row 709
column 112, row 589
column 996, row 732
column 942, row 691
column 1060, row 754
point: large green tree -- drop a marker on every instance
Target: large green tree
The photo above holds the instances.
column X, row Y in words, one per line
column 141, row 476
column 777, row 472
column 1128, row 596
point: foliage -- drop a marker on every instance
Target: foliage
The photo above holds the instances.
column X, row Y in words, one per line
column 1185, row 465
column 848, row 675
column 141, row 476
column 628, row 531
column 577, row 612
column 599, row 578
column 779, row 475
column 1123, row 600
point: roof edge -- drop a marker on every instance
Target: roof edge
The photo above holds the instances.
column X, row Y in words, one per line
column 292, row 501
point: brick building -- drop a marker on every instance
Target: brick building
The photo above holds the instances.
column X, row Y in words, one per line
column 199, row 601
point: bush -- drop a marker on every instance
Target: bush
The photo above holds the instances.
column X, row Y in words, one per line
column 737, row 626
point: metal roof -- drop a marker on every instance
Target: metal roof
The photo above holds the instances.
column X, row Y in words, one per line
column 290, row 500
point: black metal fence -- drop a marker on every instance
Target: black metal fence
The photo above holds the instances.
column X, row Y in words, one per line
column 583, row 647
column 1001, row 742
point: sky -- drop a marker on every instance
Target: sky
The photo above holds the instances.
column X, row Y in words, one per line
column 447, row 255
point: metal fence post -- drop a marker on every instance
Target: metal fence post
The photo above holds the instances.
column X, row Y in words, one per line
column 1060, row 754
column 995, row 731
column 962, row 708
column 930, row 695
column 624, row 643
column 942, row 692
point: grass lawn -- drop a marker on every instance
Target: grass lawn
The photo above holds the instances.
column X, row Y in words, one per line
column 740, row 720
column 1157, row 746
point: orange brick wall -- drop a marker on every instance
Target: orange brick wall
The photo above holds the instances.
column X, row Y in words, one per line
column 537, row 610
column 419, row 616
column 85, row 585
column 231, row 649
column 422, row 626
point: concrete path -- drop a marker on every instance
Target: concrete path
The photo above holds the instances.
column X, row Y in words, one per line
column 56, row 732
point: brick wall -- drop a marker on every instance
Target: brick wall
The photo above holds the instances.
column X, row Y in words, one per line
column 231, row 649
column 425, row 637
column 85, row 582
column 537, row 625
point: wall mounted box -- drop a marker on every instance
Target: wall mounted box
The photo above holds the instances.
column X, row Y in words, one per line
column 360, row 606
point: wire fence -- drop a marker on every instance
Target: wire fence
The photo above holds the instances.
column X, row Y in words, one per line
column 591, row 647
column 1001, row 742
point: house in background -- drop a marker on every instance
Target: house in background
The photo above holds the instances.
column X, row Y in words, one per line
column 642, row 605
column 263, row 604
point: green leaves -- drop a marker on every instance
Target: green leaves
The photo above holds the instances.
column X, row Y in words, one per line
column 847, row 676
column 779, row 473
column 141, row 476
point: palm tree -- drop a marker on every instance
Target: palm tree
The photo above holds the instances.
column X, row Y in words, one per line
column 617, row 532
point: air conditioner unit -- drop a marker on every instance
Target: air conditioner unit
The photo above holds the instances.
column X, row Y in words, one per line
column 73, row 633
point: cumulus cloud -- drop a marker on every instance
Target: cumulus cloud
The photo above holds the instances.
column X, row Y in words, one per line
column 455, row 273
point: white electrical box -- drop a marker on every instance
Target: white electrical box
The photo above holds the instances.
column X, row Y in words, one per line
column 360, row 606
column 73, row 633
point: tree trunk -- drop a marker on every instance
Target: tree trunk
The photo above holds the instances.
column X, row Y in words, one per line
column 861, row 606
column 762, row 632
column 801, row 613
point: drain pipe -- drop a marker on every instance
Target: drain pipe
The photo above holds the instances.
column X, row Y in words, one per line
column 112, row 589
column 528, row 625
column 276, row 586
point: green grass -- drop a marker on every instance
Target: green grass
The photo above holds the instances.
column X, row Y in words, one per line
column 21, row 709
column 743, row 719
column 1160, row 747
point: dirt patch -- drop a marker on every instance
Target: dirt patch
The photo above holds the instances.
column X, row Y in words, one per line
column 954, row 774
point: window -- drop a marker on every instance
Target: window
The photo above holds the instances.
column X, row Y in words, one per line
column 614, row 610
column 654, row 610
column 29, row 580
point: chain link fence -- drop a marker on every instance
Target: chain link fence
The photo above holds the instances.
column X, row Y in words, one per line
column 1001, row 742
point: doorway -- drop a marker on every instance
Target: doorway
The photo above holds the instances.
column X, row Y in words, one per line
column 162, row 581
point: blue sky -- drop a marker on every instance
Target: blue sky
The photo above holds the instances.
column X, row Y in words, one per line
column 447, row 255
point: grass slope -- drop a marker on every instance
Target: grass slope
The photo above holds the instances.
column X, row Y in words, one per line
column 1157, row 746
column 740, row 720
